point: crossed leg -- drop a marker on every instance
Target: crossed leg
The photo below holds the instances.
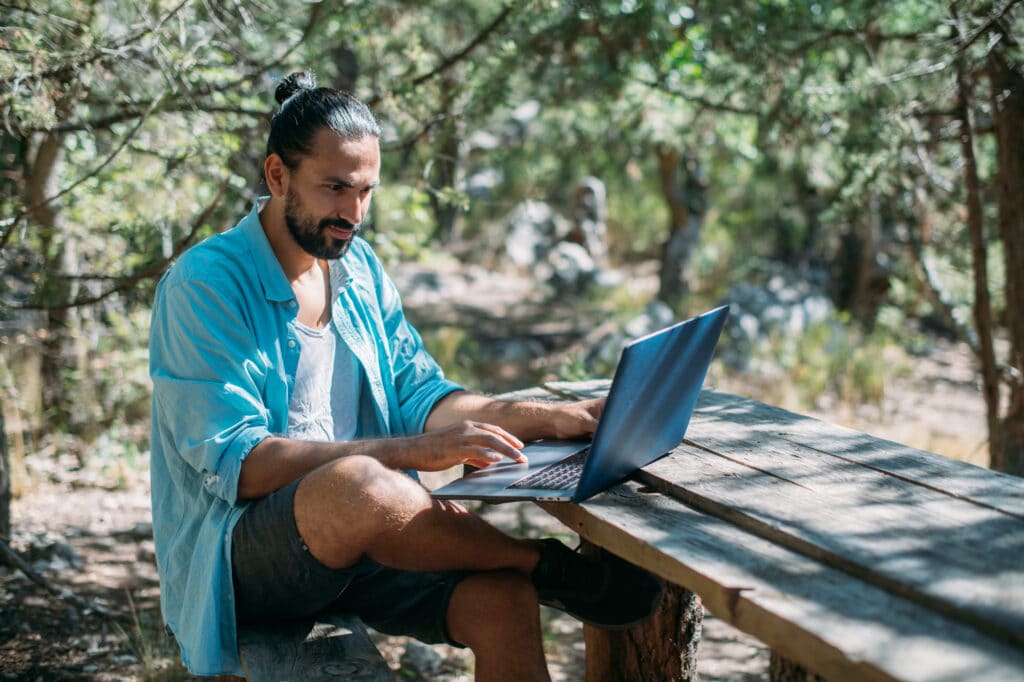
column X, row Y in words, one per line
column 355, row 506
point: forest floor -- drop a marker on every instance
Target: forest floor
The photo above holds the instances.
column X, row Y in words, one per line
column 87, row 529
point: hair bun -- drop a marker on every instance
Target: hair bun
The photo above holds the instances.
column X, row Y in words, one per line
column 294, row 83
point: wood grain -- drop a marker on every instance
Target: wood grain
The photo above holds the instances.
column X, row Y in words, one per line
column 840, row 627
column 981, row 486
column 960, row 557
column 334, row 648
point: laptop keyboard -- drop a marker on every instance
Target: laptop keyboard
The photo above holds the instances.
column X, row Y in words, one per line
column 558, row 476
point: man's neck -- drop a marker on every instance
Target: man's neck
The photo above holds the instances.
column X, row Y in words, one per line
column 295, row 261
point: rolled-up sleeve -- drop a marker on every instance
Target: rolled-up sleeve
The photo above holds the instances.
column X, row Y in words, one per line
column 207, row 375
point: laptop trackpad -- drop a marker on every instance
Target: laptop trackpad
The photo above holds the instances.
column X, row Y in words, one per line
column 540, row 454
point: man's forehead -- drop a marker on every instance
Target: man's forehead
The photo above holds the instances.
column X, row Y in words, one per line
column 334, row 155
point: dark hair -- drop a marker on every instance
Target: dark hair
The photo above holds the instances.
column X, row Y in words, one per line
column 305, row 109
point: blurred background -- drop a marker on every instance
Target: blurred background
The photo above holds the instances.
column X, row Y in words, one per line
column 558, row 177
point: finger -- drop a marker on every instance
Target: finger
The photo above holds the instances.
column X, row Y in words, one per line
column 497, row 450
column 485, row 457
column 500, row 450
column 502, row 433
column 481, row 463
column 595, row 407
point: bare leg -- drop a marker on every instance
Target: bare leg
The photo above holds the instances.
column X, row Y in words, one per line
column 496, row 615
column 355, row 506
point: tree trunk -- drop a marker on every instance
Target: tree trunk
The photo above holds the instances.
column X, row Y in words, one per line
column 5, row 483
column 444, row 173
column 42, row 183
column 1008, row 114
column 685, row 192
column 663, row 648
column 861, row 280
column 982, row 310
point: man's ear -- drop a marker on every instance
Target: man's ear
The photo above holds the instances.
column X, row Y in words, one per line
column 276, row 174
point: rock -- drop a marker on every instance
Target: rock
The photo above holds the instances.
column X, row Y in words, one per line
column 783, row 308
column 590, row 217
column 605, row 353
column 421, row 659
column 657, row 316
column 518, row 350
column 533, row 229
column 48, row 552
column 143, row 530
column 480, row 184
column 572, row 269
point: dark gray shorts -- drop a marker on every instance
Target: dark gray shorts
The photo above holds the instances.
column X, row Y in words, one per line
column 277, row 578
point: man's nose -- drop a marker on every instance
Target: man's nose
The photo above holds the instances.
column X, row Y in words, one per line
column 350, row 208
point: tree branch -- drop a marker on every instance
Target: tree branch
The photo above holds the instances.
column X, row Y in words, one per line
column 127, row 111
column 454, row 59
column 65, row 594
column 147, row 272
column 700, row 100
column 92, row 173
column 37, row 13
column 992, row 20
column 111, row 51
column 862, row 34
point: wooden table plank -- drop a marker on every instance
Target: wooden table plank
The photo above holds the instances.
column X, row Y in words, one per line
column 902, row 550
column 960, row 557
column 840, row 627
column 982, row 486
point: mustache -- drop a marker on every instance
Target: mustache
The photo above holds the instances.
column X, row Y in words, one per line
column 339, row 223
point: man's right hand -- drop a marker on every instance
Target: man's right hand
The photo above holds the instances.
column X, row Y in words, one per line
column 276, row 461
column 466, row 442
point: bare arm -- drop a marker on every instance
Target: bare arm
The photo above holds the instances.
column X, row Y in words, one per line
column 275, row 461
column 528, row 420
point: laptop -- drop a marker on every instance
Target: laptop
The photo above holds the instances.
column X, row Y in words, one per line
column 652, row 396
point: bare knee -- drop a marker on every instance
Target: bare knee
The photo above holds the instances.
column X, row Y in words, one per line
column 341, row 507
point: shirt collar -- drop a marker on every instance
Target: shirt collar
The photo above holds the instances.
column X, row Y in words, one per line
column 268, row 268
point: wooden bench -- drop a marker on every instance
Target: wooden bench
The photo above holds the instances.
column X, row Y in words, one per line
column 330, row 649
column 849, row 556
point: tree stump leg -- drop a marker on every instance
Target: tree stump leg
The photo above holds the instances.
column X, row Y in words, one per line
column 782, row 669
column 5, row 484
column 662, row 648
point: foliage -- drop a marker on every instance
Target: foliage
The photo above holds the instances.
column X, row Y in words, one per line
column 824, row 136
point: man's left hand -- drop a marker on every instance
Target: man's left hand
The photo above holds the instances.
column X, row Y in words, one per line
column 577, row 419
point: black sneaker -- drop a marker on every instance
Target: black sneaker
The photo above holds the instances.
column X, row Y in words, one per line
column 604, row 591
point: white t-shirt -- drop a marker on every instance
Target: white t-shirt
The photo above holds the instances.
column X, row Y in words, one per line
column 325, row 398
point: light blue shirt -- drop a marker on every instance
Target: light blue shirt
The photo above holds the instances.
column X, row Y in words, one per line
column 223, row 357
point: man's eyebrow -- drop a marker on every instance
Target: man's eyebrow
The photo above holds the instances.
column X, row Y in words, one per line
column 332, row 180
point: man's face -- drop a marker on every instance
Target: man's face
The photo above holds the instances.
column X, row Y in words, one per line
column 329, row 193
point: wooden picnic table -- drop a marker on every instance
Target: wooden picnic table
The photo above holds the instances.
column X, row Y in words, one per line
column 854, row 557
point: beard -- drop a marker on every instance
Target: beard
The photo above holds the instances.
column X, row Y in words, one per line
column 311, row 235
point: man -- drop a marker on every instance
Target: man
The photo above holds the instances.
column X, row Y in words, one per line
column 292, row 404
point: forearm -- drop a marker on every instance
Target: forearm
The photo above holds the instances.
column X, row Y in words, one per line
column 276, row 462
column 527, row 420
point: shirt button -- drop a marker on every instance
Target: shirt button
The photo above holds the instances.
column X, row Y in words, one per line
column 292, row 304
column 291, row 344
